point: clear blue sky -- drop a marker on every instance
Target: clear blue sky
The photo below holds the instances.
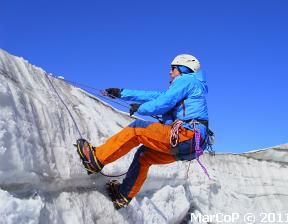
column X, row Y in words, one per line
column 242, row 45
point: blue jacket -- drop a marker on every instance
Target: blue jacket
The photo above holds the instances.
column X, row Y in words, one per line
column 185, row 99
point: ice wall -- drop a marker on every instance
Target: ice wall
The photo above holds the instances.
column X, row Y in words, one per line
column 42, row 180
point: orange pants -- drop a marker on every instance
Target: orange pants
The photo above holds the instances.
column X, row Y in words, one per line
column 156, row 149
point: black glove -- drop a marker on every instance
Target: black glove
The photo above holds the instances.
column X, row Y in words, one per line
column 133, row 108
column 113, row 92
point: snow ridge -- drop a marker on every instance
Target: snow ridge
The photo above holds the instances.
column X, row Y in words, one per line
column 42, row 180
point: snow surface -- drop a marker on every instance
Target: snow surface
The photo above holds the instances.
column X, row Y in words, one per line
column 42, row 180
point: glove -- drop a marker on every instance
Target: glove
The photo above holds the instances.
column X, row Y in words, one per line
column 113, row 92
column 133, row 108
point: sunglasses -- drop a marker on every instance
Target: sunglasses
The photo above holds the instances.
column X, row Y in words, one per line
column 174, row 67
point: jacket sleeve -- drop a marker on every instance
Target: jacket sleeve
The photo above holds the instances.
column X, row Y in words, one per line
column 140, row 96
column 177, row 92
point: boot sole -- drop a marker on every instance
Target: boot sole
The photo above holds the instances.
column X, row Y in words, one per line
column 84, row 160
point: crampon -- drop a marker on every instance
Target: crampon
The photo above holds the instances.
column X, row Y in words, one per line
column 87, row 154
column 117, row 198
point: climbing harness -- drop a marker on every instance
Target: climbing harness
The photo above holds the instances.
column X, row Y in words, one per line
column 174, row 139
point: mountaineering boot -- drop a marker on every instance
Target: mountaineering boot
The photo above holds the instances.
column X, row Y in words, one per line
column 87, row 154
column 117, row 198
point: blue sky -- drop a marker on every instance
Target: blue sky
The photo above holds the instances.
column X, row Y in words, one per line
column 242, row 46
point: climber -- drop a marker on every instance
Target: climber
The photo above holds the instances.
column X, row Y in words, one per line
column 184, row 114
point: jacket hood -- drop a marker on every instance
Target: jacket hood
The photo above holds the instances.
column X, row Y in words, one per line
column 201, row 76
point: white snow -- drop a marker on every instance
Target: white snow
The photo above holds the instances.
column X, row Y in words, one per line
column 167, row 205
column 14, row 210
column 42, row 180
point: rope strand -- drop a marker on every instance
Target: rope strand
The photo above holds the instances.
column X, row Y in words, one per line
column 64, row 105
column 123, row 102
column 106, row 175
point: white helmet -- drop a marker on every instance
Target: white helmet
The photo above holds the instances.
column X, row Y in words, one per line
column 188, row 61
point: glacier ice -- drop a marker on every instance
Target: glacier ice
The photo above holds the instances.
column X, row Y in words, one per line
column 42, row 180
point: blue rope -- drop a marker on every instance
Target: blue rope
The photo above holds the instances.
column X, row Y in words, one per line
column 93, row 92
